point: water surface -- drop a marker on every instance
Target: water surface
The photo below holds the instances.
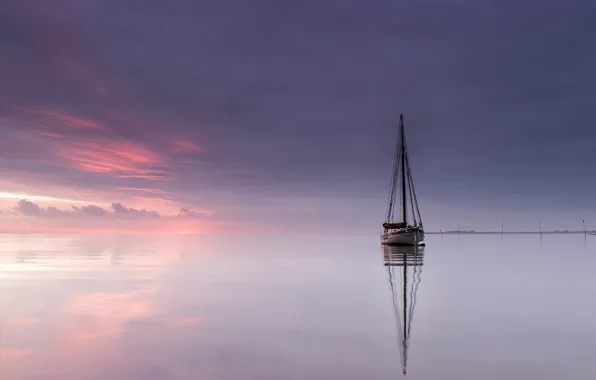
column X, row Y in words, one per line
column 296, row 307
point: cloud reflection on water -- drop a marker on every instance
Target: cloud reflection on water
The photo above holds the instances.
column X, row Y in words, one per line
column 71, row 305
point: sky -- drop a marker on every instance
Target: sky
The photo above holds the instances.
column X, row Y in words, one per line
column 280, row 116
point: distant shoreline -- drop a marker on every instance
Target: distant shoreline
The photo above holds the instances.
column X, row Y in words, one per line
column 508, row 232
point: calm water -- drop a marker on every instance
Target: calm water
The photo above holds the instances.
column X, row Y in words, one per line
column 296, row 307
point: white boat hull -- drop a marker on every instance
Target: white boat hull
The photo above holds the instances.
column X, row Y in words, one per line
column 403, row 237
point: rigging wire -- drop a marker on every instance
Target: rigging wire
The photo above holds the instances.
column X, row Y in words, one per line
column 402, row 150
column 415, row 202
column 410, row 187
column 394, row 177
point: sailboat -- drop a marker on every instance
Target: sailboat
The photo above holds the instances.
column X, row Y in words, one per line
column 406, row 227
column 404, row 286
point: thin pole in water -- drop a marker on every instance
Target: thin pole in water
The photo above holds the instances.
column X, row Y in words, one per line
column 539, row 227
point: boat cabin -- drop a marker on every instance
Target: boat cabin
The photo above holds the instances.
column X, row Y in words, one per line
column 390, row 226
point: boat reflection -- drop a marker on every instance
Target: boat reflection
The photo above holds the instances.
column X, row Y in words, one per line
column 404, row 268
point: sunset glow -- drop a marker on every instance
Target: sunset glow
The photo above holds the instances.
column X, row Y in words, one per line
column 296, row 190
column 5, row 195
column 283, row 131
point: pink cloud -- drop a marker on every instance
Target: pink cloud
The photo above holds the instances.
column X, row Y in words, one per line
column 183, row 146
column 150, row 177
column 44, row 119
column 65, row 53
column 125, row 159
column 151, row 196
column 67, row 61
column 53, row 135
column 59, row 118
column 153, row 201
column 144, row 190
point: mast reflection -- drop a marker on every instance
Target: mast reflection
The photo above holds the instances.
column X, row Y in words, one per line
column 404, row 268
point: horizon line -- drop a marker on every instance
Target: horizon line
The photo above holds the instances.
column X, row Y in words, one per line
column 514, row 232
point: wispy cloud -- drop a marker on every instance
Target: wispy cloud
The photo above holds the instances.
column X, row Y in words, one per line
column 124, row 159
column 94, row 79
column 183, row 146
column 50, row 119
column 57, row 118
column 65, row 49
column 144, row 190
column 150, row 195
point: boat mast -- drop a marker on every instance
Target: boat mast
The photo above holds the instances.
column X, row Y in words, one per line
column 403, row 167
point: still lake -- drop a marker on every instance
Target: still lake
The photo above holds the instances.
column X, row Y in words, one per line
column 242, row 307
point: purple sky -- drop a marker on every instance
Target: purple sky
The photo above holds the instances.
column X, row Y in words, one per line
column 281, row 115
